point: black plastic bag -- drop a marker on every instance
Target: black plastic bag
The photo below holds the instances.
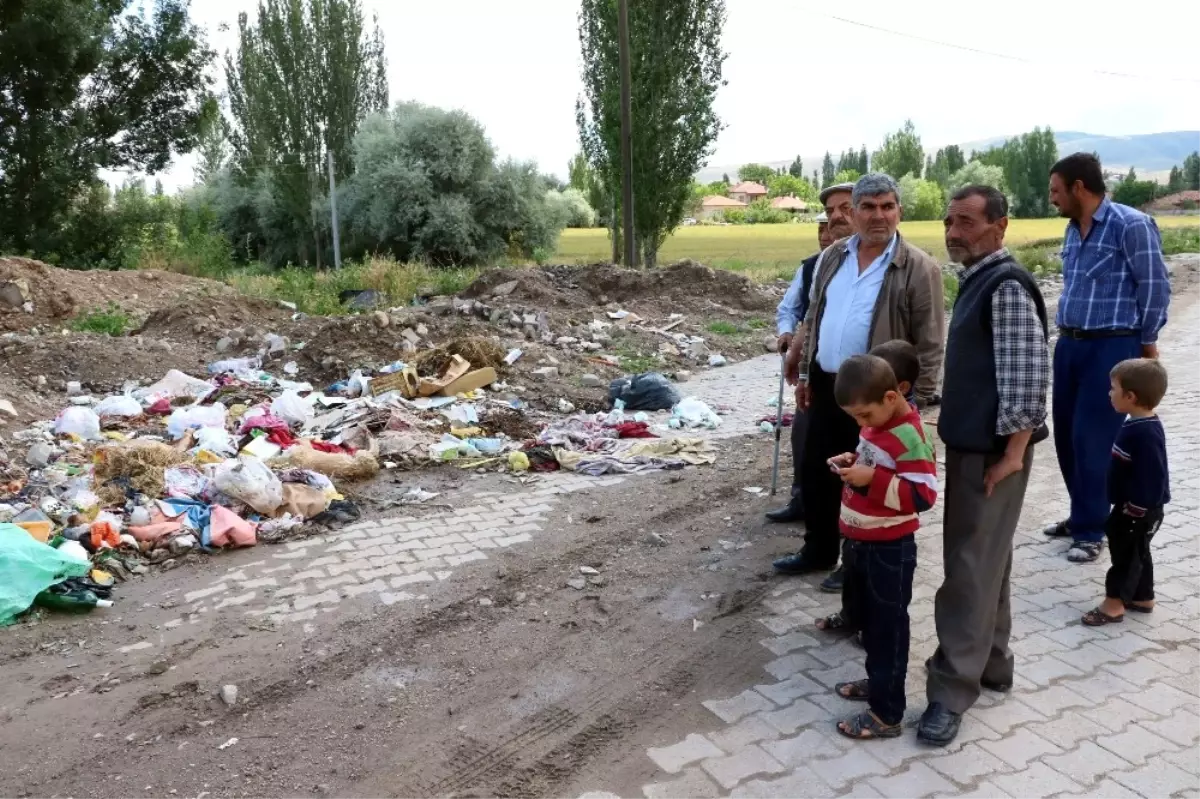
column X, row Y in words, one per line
column 645, row 392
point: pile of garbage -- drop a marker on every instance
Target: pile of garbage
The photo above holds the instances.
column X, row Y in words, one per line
column 188, row 465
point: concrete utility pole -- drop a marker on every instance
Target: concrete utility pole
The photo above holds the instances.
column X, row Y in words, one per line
column 337, row 239
column 626, row 135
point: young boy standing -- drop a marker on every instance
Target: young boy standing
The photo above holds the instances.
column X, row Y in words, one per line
column 889, row 480
column 1138, row 488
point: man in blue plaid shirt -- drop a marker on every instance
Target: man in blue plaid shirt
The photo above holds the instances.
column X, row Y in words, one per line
column 1114, row 303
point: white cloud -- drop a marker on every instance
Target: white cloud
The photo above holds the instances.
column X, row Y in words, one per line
column 800, row 81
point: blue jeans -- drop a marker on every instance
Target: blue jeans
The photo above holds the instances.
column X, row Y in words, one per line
column 881, row 576
column 1085, row 425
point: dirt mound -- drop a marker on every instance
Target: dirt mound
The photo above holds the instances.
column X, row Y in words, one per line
column 602, row 284
column 35, row 294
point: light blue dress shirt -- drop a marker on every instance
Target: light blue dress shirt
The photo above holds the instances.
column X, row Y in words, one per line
column 849, row 306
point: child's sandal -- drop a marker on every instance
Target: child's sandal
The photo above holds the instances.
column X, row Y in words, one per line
column 832, row 623
column 866, row 725
column 1098, row 618
column 855, row 691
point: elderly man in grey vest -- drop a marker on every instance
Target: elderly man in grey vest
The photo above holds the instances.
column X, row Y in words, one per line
column 993, row 411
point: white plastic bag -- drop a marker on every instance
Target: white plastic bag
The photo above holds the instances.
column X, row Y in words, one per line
column 292, row 408
column 249, row 366
column 215, row 440
column 357, row 385
column 692, row 412
column 123, row 405
column 193, row 417
column 185, row 482
column 76, row 421
column 175, row 384
column 248, row 480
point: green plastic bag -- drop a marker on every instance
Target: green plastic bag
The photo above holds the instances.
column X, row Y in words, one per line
column 28, row 567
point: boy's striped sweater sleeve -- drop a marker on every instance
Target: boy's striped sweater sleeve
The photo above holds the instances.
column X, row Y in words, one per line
column 912, row 486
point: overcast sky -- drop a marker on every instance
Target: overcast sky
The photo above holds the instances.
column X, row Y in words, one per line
column 801, row 82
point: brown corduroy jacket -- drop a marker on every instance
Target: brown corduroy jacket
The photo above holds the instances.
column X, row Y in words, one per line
column 911, row 306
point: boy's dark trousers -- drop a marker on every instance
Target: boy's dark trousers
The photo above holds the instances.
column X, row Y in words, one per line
column 1131, row 576
column 882, row 576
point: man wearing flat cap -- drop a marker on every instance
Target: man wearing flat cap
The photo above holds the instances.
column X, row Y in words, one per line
column 867, row 289
column 789, row 320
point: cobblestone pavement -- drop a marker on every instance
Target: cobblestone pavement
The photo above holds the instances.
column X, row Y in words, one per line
column 1106, row 712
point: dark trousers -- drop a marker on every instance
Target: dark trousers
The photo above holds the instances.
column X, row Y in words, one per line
column 971, row 609
column 1131, row 576
column 830, row 432
column 882, row 575
column 799, row 434
column 1085, row 425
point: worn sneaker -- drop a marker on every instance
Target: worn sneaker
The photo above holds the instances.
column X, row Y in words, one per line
column 1057, row 530
column 1084, row 551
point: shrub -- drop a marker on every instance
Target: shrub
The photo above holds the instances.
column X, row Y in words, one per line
column 111, row 321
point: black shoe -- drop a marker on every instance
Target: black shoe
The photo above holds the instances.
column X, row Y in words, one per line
column 791, row 512
column 939, row 725
column 833, row 583
column 799, row 564
column 1057, row 530
column 998, row 687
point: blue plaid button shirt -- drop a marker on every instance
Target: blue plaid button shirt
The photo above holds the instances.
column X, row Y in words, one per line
column 1116, row 278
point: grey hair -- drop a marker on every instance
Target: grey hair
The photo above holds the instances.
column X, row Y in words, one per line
column 874, row 184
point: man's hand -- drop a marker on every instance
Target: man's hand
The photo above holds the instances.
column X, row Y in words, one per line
column 1150, row 351
column 791, row 364
column 1003, row 468
column 858, row 475
column 803, row 396
column 785, row 341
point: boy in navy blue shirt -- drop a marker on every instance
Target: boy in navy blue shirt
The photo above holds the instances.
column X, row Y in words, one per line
column 1138, row 488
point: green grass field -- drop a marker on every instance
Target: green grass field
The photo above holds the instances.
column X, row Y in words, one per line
column 764, row 252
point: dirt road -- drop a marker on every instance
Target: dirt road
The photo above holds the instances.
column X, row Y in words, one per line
column 492, row 677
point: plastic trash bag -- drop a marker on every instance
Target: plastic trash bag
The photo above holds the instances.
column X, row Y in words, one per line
column 235, row 366
column 185, row 482
column 77, row 421
column 645, row 392
column 193, row 417
column 123, row 405
column 215, row 440
column 292, row 408
column 28, row 567
column 693, row 412
column 175, row 384
column 248, row 480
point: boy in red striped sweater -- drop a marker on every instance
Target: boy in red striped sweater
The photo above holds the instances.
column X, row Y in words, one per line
column 889, row 481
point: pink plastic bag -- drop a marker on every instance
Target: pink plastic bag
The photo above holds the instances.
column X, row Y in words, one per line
column 230, row 529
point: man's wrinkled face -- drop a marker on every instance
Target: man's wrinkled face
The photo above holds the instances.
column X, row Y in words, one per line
column 840, row 211
column 824, row 237
column 969, row 234
column 877, row 218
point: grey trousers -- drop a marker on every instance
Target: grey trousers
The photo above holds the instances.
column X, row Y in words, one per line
column 971, row 609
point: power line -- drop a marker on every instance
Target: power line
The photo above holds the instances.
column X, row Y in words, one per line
column 1005, row 56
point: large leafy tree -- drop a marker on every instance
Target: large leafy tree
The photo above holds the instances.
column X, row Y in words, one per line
column 758, row 173
column 85, row 86
column 305, row 74
column 1191, row 172
column 828, row 170
column 796, row 169
column 1026, row 161
column 900, row 154
column 676, row 64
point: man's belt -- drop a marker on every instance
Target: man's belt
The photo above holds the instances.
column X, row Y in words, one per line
column 1084, row 335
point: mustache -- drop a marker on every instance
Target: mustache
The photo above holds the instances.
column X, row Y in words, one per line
column 958, row 244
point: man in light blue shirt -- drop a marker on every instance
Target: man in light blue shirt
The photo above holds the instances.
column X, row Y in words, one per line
column 868, row 289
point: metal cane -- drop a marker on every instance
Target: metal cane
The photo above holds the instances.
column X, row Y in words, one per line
column 778, row 424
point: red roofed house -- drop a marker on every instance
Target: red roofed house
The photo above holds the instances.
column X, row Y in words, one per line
column 748, row 191
column 789, row 203
column 715, row 204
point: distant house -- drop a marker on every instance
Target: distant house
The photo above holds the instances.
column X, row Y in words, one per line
column 1179, row 202
column 748, row 191
column 790, row 204
column 715, row 204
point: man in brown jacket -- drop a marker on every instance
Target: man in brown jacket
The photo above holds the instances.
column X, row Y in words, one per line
column 869, row 288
